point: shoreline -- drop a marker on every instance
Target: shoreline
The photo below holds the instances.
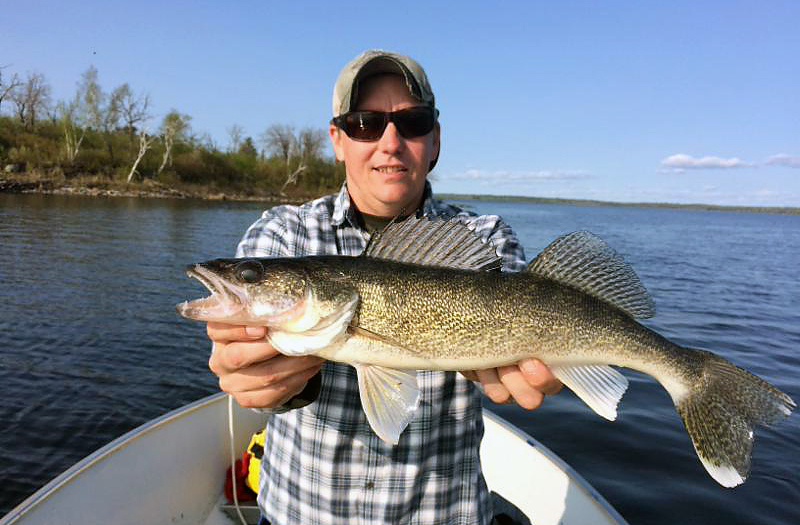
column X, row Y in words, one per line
column 146, row 189
column 152, row 189
column 782, row 210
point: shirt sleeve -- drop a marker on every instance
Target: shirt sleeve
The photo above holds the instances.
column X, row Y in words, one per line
column 268, row 236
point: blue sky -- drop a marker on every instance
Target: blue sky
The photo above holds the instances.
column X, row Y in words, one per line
column 695, row 101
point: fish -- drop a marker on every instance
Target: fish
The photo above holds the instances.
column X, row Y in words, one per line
column 426, row 294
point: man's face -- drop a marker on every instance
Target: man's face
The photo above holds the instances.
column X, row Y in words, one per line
column 387, row 176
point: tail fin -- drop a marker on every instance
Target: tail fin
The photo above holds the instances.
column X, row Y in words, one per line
column 719, row 411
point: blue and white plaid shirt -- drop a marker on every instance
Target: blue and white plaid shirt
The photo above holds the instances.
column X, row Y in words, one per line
column 322, row 463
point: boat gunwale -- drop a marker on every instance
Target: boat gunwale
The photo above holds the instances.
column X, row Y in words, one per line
column 50, row 488
column 102, row 453
column 579, row 480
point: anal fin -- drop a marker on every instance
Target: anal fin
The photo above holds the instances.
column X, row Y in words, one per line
column 599, row 386
column 389, row 397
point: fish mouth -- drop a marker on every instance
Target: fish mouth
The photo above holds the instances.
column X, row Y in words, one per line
column 224, row 303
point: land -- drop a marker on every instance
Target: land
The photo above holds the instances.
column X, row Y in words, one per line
column 785, row 210
column 99, row 187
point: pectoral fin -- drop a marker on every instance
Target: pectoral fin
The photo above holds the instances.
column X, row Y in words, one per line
column 599, row 386
column 389, row 397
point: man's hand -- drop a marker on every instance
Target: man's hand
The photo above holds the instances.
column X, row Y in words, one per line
column 526, row 382
column 252, row 370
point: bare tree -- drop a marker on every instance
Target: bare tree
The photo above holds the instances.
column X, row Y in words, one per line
column 174, row 126
column 235, row 132
column 74, row 128
column 205, row 140
column 31, row 98
column 132, row 109
column 145, row 142
column 311, row 142
column 7, row 88
column 291, row 178
column 279, row 140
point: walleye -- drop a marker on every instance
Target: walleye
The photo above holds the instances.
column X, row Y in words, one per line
column 420, row 297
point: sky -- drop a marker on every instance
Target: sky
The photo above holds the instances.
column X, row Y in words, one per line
column 639, row 101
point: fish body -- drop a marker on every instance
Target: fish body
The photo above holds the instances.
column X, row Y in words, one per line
column 423, row 296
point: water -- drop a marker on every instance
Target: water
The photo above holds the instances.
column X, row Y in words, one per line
column 91, row 346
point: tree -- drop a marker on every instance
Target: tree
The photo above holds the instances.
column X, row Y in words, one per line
column 98, row 110
column 31, row 98
column 279, row 140
column 248, row 149
column 90, row 98
column 235, row 132
column 174, row 126
column 144, row 144
column 74, row 128
column 7, row 88
column 311, row 142
column 132, row 109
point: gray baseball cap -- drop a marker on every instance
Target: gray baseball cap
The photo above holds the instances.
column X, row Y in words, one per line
column 376, row 61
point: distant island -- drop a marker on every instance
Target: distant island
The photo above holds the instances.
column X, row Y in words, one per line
column 785, row 210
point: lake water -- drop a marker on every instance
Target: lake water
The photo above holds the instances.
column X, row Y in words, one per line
column 91, row 346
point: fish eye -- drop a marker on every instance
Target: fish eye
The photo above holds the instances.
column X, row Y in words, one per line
column 249, row 271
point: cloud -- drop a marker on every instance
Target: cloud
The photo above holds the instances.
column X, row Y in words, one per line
column 681, row 162
column 519, row 176
column 783, row 159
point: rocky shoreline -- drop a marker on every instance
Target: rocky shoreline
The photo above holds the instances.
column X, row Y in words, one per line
column 148, row 189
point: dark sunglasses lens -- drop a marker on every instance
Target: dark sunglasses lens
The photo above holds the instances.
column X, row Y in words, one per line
column 413, row 122
column 364, row 125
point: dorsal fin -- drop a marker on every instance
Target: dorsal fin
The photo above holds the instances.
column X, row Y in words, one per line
column 433, row 242
column 584, row 261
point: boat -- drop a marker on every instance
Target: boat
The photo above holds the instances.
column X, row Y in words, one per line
column 171, row 471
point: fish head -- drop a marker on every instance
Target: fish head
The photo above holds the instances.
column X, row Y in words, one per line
column 262, row 292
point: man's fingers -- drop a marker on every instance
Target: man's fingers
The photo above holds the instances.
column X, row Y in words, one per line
column 539, row 376
column 523, row 393
column 221, row 332
column 470, row 374
column 230, row 357
column 277, row 394
column 279, row 370
column 492, row 386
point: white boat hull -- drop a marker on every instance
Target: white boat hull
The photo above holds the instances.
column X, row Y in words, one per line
column 170, row 471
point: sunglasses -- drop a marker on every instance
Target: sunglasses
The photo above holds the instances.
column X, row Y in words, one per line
column 367, row 126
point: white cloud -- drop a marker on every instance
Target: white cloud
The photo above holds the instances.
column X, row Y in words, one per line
column 680, row 162
column 783, row 159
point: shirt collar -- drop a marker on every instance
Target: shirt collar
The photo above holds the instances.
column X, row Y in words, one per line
column 343, row 208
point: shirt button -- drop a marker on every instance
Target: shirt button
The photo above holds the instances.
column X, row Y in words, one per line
column 369, row 485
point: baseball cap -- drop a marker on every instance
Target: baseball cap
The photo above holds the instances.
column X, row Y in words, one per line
column 373, row 62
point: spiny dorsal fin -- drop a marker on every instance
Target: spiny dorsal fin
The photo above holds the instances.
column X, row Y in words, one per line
column 438, row 242
column 585, row 261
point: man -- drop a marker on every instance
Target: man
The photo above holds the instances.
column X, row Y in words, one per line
column 322, row 463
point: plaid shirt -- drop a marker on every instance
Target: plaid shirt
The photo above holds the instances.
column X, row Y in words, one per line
column 322, row 463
